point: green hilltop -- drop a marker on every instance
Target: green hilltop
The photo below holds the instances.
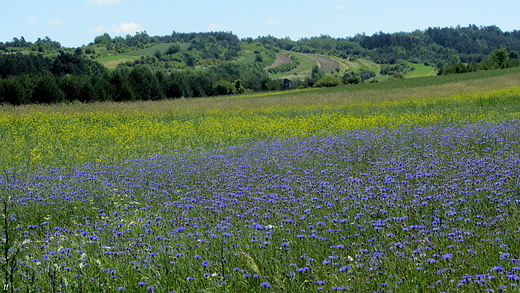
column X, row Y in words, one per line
column 144, row 67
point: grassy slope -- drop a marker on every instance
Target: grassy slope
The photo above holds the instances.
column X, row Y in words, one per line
column 111, row 62
column 421, row 70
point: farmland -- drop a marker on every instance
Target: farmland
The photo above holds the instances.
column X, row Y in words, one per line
column 325, row 64
column 401, row 186
column 111, row 62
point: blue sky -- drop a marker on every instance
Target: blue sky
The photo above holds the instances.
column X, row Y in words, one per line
column 77, row 22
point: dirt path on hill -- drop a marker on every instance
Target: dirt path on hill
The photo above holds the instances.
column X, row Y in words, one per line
column 326, row 64
column 281, row 59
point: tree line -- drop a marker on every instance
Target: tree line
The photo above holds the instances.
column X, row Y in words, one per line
column 68, row 77
column 499, row 58
column 204, row 64
column 434, row 46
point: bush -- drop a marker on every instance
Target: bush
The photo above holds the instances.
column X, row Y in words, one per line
column 224, row 87
column 328, row 81
column 354, row 79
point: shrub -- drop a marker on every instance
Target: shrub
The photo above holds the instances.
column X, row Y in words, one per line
column 328, row 81
column 354, row 79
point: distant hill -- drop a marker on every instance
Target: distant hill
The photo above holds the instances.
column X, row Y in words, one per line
column 216, row 63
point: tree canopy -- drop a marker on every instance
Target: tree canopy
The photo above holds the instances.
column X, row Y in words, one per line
column 209, row 63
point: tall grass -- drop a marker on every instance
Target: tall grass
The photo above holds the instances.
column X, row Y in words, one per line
column 416, row 208
column 392, row 189
column 74, row 134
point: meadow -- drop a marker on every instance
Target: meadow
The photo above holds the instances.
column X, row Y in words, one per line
column 405, row 186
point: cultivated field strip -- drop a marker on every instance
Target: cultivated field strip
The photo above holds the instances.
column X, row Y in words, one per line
column 326, row 65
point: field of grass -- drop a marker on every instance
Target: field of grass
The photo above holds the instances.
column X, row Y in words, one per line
column 363, row 64
column 420, row 71
column 403, row 186
column 111, row 62
column 249, row 57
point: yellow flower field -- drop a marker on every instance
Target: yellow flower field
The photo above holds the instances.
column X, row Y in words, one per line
column 63, row 139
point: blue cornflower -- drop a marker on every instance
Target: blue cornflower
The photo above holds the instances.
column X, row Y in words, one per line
column 344, row 268
column 265, row 284
column 497, row 268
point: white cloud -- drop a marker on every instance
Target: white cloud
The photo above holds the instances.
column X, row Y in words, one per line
column 220, row 27
column 99, row 28
column 339, row 7
column 32, row 20
column 55, row 21
column 126, row 28
column 103, row 2
column 271, row 21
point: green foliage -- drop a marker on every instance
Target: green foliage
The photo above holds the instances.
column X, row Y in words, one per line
column 172, row 49
column 316, row 73
column 401, row 66
column 224, row 87
column 499, row 56
column 259, row 58
column 104, row 39
column 18, row 64
column 354, row 79
column 70, row 77
column 357, row 77
column 285, row 67
column 397, row 75
column 366, row 74
column 328, row 81
column 497, row 59
column 193, row 64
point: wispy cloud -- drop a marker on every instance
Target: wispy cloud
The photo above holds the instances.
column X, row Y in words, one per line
column 54, row 21
column 104, row 2
column 339, row 7
column 99, row 28
column 126, row 28
column 220, row 27
column 32, row 20
column 271, row 21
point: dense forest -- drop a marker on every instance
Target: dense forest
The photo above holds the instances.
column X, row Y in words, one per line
column 208, row 64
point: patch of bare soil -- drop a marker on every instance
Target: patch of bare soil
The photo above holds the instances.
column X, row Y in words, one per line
column 281, row 59
column 326, row 64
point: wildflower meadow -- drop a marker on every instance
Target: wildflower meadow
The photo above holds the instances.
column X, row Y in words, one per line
column 409, row 194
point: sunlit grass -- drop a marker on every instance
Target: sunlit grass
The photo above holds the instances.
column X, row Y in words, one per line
column 421, row 70
column 68, row 138
column 406, row 186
